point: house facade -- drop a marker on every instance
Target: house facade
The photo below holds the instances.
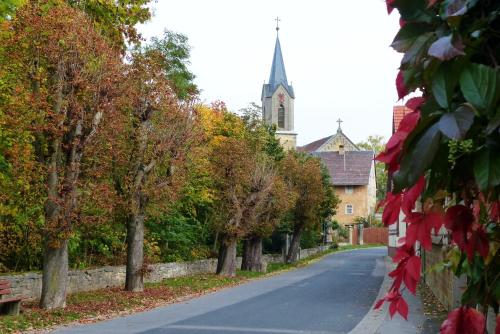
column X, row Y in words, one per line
column 352, row 172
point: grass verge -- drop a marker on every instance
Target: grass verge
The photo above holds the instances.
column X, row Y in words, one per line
column 88, row 307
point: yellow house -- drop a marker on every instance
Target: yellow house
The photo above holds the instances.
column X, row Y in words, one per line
column 352, row 172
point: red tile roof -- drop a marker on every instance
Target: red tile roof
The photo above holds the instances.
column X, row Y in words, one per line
column 398, row 113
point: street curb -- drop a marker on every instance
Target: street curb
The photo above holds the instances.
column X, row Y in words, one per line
column 372, row 321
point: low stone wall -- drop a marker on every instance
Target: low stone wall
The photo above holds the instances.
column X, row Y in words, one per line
column 443, row 284
column 29, row 285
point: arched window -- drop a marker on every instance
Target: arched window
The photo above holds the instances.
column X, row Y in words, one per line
column 281, row 117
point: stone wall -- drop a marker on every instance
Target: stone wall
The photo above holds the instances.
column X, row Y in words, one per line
column 445, row 286
column 29, row 285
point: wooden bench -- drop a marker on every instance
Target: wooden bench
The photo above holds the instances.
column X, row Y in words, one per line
column 9, row 306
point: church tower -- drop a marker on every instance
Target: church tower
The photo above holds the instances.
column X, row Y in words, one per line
column 278, row 99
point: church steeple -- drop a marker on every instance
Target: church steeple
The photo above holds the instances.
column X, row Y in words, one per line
column 278, row 98
column 278, row 73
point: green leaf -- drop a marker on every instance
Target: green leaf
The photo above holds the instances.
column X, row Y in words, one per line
column 455, row 125
column 494, row 123
column 481, row 86
column 443, row 84
column 487, row 168
column 417, row 49
column 447, row 47
column 407, row 36
column 416, row 161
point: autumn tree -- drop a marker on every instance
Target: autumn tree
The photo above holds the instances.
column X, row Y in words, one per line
column 69, row 71
column 262, row 218
column 233, row 167
column 446, row 151
column 176, row 51
column 157, row 133
column 303, row 174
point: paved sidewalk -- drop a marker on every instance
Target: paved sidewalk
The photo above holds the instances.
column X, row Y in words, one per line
column 380, row 322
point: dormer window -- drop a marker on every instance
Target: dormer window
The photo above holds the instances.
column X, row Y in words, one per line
column 281, row 117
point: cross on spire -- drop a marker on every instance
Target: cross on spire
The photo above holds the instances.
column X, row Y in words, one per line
column 277, row 19
column 339, row 121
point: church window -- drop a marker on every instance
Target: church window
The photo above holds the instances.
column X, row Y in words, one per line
column 349, row 210
column 281, row 117
column 349, row 189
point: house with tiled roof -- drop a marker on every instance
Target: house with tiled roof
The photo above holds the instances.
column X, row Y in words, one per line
column 352, row 173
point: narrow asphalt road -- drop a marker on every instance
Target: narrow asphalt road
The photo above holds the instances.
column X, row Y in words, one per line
column 330, row 296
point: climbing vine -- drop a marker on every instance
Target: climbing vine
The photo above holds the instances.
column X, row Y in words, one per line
column 446, row 152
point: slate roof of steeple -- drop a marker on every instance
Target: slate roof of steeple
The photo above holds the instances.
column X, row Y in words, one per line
column 278, row 74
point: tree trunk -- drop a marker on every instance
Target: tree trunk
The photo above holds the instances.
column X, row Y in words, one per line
column 252, row 255
column 55, row 275
column 293, row 251
column 135, row 253
column 226, row 264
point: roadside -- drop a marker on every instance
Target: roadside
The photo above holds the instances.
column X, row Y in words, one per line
column 88, row 307
column 425, row 316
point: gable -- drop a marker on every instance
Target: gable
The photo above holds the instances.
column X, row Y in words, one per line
column 334, row 142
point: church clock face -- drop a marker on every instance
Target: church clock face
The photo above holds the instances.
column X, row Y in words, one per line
column 281, row 98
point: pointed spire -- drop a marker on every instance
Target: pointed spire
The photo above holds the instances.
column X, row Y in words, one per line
column 278, row 73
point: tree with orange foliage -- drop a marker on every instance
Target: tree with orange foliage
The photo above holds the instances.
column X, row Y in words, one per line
column 69, row 73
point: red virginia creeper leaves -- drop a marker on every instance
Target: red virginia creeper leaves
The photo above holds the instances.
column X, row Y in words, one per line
column 390, row 8
column 458, row 219
column 414, row 103
column 411, row 195
column 478, row 241
column 495, row 211
column 464, row 320
column 400, row 85
column 420, row 229
column 398, row 304
column 392, row 206
column 407, row 270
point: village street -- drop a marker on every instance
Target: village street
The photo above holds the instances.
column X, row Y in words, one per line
column 330, row 296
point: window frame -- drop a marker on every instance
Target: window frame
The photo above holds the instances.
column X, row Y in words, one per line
column 347, row 209
column 281, row 116
column 349, row 190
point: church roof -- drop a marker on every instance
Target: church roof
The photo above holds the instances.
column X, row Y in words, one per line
column 278, row 74
column 315, row 145
column 311, row 147
column 353, row 171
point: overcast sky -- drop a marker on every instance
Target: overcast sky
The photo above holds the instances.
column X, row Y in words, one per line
column 336, row 55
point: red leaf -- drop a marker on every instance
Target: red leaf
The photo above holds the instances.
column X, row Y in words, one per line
column 392, row 151
column 464, row 320
column 431, row 3
column 495, row 211
column 478, row 241
column 400, row 85
column 409, row 122
column 414, row 103
column 411, row 195
column 403, row 308
column 497, row 330
column 413, row 267
column 420, row 228
column 379, row 303
column 391, row 209
column 458, row 219
column 389, row 6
